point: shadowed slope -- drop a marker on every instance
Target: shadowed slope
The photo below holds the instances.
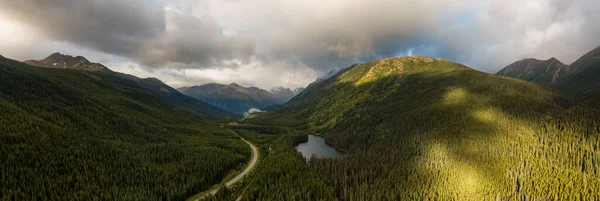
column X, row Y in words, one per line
column 422, row 128
column 157, row 87
column 584, row 80
column 80, row 135
column 533, row 70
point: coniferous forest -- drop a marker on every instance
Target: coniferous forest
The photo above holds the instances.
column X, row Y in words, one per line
column 299, row 100
column 433, row 130
column 76, row 135
column 412, row 128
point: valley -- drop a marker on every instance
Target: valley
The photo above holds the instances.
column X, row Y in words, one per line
column 460, row 134
column 212, row 100
column 411, row 128
column 237, row 99
column 237, row 178
column 84, row 135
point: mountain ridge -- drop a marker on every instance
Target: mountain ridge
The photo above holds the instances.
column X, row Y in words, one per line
column 231, row 97
column 430, row 125
column 58, row 60
column 156, row 86
column 579, row 80
column 542, row 71
column 583, row 82
column 238, row 99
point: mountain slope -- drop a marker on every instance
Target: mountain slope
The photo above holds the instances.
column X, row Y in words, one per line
column 88, row 135
column 175, row 97
column 418, row 128
column 387, row 81
column 298, row 90
column 580, row 80
column 155, row 86
column 584, row 80
column 232, row 97
column 533, row 70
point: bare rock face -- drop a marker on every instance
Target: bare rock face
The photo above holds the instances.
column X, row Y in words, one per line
column 58, row 60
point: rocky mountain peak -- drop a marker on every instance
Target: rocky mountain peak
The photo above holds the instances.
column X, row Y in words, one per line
column 58, row 60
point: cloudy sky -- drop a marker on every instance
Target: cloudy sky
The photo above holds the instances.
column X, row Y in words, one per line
column 270, row 43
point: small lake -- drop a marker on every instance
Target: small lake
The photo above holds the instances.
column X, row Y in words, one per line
column 317, row 146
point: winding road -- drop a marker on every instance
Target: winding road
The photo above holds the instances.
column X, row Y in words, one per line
column 242, row 174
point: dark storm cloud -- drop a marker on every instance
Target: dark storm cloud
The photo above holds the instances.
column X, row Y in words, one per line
column 293, row 35
column 199, row 40
column 486, row 35
column 131, row 28
column 115, row 26
column 356, row 31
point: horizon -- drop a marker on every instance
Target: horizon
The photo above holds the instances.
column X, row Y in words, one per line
column 299, row 100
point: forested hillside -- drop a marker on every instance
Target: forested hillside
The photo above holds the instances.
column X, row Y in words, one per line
column 79, row 135
column 155, row 86
column 418, row 128
column 172, row 96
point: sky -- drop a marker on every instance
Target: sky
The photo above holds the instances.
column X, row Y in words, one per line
column 289, row 43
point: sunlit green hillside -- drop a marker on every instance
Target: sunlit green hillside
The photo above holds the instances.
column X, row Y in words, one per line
column 418, row 128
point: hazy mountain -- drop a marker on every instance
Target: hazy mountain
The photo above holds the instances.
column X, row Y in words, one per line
column 282, row 95
column 298, row 90
column 57, row 60
column 232, row 97
column 327, row 75
column 545, row 72
column 173, row 96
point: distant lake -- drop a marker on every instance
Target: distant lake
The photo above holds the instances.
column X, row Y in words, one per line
column 316, row 146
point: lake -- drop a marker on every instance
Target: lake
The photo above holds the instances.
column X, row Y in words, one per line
column 317, row 146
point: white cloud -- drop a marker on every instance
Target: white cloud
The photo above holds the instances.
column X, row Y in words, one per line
column 252, row 111
column 255, row 73
column 270, row 43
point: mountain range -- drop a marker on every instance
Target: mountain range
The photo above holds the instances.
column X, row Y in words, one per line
column 412, row 128
column 282, row 95
column 438, row 130
column 83, row 134
column 579, row 79
column 155, row 86
column 238, row 99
